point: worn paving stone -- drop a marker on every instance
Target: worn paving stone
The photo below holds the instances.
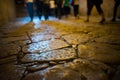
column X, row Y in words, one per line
column 61, row 54
column 41, row 37
column 45, row 46
column 80, row 68
column 13, row 39
column 8, row 50
column 99, row 52
column 36, row 76
column 77, row 38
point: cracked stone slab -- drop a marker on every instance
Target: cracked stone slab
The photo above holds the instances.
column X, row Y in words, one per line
column 13, row 39
column 45, row 46
column 51, row 55
column 80, row 68
column 8, row 50
column 38, row 37
column 76, row 38
column 62, row 74
column 100, row 52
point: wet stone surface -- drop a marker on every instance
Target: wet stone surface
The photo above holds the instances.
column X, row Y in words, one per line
column 45, row 46
column 77, row 38
column 66, row 49
column 60, row 54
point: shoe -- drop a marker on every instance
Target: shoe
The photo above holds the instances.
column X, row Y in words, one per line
column 102, row 21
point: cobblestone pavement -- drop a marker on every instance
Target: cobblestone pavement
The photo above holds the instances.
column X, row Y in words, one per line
column 66, row 49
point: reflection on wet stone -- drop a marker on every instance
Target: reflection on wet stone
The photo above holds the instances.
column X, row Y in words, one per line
column 45, row 46
column 51, row 55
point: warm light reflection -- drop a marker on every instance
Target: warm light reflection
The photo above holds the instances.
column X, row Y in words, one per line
column 36, row 20
column 39, row 47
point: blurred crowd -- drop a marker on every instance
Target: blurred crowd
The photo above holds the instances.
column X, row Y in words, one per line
column 59, row 8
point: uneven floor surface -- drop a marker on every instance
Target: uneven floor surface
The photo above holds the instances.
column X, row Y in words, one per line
column 66, row 49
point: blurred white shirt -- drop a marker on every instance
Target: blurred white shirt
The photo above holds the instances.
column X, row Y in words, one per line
column 29, row 0
column 52, row 4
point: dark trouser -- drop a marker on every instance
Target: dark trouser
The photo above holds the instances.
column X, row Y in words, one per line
column 52, row 11
column 76, row 10
column 66, row 10
column 46, row 11
column 59, row 11
column 90, row 6
column 115, row 9
column 30, row 10
column 39, row 11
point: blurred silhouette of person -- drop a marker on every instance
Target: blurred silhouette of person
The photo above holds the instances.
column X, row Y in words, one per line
column 39, row 8
column 116, row 5
column 30, row 9
column 59, row 8
column 97, row 4
column 46, row 9
column 75, row 4
column 66, row 4
column 52, row 7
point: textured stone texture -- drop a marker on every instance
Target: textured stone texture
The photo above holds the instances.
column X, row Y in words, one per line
column 70, row 49
column 101, row 52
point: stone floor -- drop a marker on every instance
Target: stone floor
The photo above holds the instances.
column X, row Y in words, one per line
column 66, row 49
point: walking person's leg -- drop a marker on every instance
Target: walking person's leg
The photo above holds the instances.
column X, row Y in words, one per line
column 115, row 11
column 76, row 10
column 46, row 11
column 30, row 10
column 100, row 11
column 89, row 9
column 39, row 12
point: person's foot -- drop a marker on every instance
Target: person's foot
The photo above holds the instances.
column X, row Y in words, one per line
column 102, row 21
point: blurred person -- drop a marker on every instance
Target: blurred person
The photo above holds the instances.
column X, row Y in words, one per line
column 52, row 7
column 39, row 8
column 97, row 4
column 66, row 4
column 46, row 9
column 59, row 8
column 116, row 5
column 30, row 8
column 75, row 4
